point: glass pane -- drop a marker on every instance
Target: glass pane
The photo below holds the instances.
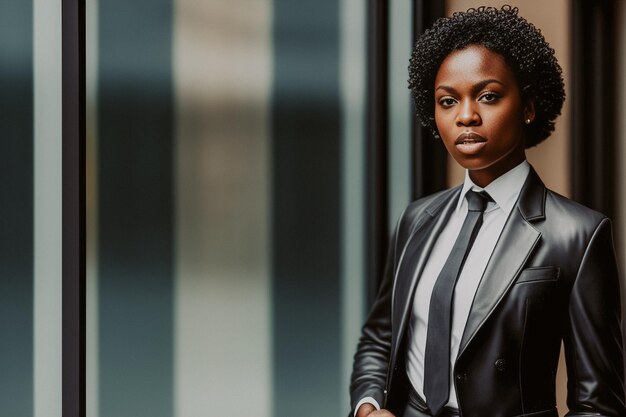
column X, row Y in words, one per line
column 30, row 213
column 48, row 208
column 226, row 147
column 16, row 210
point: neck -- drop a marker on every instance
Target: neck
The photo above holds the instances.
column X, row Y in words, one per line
column 484, row 177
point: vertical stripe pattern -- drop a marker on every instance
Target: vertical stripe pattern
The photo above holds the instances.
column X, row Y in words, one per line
column 306, row 208
column 135, row 208
column 16, row 208
column 400, row 112
column 222, row 304
column 47, row 209
column 429, row 155
column 91, row 263
column 228, row 193
column 353, row 63
column 620, row 142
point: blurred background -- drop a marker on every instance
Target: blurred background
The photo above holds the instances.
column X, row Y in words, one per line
column 246, row 161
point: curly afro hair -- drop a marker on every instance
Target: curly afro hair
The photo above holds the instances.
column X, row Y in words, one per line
column 504, row 32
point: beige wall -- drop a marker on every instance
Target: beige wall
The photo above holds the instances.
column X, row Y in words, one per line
column 550, row 158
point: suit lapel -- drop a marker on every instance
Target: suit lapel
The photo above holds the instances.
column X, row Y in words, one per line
column 515, row 245
column 413, row 258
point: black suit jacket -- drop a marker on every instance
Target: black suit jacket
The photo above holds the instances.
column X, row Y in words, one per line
column 552, row 277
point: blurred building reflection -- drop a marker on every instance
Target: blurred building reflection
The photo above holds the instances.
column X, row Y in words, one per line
column 227, row 198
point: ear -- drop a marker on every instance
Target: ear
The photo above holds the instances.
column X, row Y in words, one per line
column 529, row 111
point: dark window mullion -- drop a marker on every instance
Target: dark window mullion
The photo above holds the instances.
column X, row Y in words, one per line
column 429, row 155
column 593, row 116
column 377, row 205
column 73, row 310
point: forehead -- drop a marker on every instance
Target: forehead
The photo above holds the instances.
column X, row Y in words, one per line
column 473, row 65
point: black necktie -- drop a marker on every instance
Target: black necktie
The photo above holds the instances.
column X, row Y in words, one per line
column 437, row 355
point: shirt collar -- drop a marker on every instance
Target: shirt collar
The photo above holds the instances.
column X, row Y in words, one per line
column 504, row 190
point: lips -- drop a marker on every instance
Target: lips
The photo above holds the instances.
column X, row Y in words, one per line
column 470, row 143
column 469, row 137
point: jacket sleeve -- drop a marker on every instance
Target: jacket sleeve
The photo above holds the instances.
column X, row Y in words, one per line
column 593, row 336
column 371, row 361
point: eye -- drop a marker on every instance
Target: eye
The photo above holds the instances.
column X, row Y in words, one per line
column 446, row 101
column 489, row 97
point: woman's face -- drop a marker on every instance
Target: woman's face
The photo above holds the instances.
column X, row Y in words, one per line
column 480, row 113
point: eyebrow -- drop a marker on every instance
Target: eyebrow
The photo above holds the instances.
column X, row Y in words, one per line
column 478, row 86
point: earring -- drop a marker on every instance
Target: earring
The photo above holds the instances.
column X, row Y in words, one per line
column 528, row 121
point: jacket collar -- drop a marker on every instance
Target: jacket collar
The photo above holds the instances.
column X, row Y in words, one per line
column 516, row 243
column 532, row 199
column 413, row 255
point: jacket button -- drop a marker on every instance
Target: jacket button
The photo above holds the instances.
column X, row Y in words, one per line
column 461, row 377
column 500, row 364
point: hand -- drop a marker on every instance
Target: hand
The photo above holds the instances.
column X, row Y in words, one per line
column 368, row 410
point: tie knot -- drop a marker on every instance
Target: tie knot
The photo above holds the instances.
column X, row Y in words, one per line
column 477, row 201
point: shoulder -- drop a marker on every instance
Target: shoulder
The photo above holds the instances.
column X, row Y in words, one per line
column 555, row 214
column 423, row 207
column 429, row 203
column 563, row 210
column 571, row 225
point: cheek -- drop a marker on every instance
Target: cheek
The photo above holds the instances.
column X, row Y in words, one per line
column 506, row 124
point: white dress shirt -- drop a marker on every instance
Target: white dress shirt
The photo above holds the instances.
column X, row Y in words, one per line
column 504, row 191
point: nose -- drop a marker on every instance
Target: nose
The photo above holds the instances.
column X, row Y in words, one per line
column 467, row 116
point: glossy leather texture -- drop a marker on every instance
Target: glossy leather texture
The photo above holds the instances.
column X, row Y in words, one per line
column 552, row 278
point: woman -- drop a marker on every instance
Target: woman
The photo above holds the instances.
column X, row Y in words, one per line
column 484, row 281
